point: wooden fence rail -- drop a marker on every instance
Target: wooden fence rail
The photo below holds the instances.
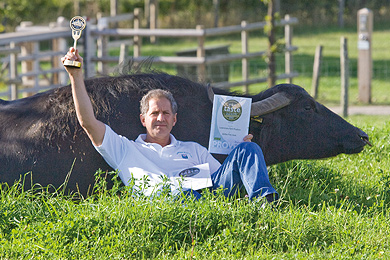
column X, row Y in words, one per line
column 27, row 54
column 26, row 74
column 201, row 61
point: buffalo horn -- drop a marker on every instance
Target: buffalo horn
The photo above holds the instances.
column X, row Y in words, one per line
column 271, row 104
column 210, row 93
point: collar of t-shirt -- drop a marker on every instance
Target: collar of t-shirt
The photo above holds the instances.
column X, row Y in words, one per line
column 141, row 139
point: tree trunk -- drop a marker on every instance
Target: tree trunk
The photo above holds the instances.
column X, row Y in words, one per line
column 271, row 42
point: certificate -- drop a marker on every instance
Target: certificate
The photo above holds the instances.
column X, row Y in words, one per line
column 229, row 123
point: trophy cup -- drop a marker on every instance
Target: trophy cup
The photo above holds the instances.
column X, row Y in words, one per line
column 77, row 24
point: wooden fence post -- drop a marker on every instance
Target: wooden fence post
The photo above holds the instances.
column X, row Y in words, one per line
column 137, row 39
column 102, row 45
column 147, row 13
column 27, row 48
column 89, row 52
column 365, row 65
column 316, row 72
column 13, row 72
column 287, row 54
column 59, row 45
column 37, row 69
column 244, row 61
column 114, row 10
column 201, row 53
column 344, row 66
column 124, row 49
column 153, row 18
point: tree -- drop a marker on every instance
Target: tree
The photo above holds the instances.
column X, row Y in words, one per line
column 41, row 11
column 272, row 43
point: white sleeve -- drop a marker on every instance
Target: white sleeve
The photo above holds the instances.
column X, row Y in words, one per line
column 206, row 157
column 113, row 148
column 214, row 164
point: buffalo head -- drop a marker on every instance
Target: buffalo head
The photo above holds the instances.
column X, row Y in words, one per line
column 289, row 124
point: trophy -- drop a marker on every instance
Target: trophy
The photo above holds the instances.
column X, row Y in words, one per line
column 77, row 24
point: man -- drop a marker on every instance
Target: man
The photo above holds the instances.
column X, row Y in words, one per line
column 157, row 153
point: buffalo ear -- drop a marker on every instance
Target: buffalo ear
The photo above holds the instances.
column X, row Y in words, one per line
column 210, row 93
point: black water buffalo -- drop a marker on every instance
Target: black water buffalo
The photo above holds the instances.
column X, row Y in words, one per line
column 40, row 134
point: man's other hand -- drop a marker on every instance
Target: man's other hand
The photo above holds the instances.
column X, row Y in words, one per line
column 248, row 138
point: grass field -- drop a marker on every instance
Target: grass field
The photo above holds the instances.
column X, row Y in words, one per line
column 336, row 208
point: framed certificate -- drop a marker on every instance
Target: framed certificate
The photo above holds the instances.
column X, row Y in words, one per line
column 229, row 123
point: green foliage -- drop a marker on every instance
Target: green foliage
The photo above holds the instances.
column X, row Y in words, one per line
column 333, row 209
column 188, row 13
column 25, row 10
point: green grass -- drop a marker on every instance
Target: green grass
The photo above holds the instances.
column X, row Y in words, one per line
column 336, row 208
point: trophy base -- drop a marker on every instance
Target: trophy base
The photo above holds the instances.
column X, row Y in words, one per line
column 72, row 63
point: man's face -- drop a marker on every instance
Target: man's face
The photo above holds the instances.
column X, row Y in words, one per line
column 158, row 120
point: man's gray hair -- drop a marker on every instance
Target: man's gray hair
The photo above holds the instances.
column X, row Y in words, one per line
column 157, row 93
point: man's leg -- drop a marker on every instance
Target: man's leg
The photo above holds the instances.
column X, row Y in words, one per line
column 245, row 166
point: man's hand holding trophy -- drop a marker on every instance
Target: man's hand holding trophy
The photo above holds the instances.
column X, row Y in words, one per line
column 77, row 24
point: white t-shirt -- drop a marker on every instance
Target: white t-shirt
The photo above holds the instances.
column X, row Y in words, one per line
column 138, row 158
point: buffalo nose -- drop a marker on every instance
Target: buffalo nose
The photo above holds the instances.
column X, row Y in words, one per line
column 364, row 137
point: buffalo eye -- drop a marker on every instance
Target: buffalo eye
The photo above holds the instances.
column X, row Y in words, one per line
column 308, row 107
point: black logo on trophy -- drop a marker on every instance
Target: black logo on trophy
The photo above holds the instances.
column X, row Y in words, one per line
column 77, row 24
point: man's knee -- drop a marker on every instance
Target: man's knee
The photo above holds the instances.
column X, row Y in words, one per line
column 249, row 146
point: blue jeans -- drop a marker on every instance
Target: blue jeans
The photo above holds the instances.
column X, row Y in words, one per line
column 244, row 168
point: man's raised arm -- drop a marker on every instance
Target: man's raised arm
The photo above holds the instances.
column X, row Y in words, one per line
column 94, row 128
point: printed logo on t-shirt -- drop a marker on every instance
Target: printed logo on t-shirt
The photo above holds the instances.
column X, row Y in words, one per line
column 183, row 155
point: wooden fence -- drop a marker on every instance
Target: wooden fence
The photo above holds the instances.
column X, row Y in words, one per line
column 29, row 72
column 32, row 67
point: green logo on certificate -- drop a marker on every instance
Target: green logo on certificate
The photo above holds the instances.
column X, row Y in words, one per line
column 231, row 110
